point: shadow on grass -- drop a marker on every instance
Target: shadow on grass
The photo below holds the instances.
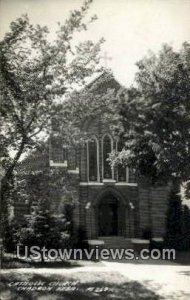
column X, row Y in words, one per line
column 82, row 287
column 186, row 273
column 180, row 258
column 12, row 262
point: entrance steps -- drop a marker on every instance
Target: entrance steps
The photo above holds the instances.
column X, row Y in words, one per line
column 114, row 242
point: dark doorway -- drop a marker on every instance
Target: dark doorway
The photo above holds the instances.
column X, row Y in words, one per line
column 108, row 216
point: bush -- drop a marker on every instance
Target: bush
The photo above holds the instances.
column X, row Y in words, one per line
column 178, row 224
column 185, row 239
column 45, row 230
column 11, row 236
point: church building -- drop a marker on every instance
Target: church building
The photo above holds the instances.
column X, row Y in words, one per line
column 111, row 201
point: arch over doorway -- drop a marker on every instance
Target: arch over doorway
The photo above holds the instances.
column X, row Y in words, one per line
column 110, row 210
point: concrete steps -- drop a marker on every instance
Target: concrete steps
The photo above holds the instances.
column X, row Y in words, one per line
column 114, row 242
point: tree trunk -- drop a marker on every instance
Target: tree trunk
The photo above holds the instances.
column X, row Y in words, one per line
column 5, row 187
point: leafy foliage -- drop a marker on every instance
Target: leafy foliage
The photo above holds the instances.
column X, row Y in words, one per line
column 155, row 118
column 37, row 181
column 80, row 107
column 46, row 222
column 45, row 230
column 155, row 124
column 35, row 73
column 174, row 221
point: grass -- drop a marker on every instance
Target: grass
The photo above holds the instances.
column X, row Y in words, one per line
column 78, row 285
column 10, row 261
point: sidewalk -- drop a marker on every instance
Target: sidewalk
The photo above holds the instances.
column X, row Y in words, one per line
column 170, row 281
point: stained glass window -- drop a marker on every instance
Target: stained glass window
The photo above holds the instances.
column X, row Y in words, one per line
column 121, row 170
column 132, row 175
column 107, row 148
column 92, row 163
column 72, row 158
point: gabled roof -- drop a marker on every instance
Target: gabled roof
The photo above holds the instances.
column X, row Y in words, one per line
column 103, row 82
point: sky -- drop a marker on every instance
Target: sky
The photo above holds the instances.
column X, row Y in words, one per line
column 130, row 27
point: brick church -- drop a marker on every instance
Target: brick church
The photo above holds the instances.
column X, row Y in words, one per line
column 110, row 202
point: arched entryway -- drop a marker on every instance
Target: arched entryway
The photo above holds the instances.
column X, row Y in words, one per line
column 108, row 216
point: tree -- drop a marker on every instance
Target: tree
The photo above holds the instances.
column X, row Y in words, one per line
column 34, row 74
column 174, row 221
column 40, row 219
column 155, row 124
column 97, row 98
column 155, row 116
column 38, row 182
column 44, row 229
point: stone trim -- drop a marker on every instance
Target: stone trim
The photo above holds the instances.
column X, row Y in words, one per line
column 109, row 181
column 60, row 164
column 76, row 171
column 91, row 183
column 126, row 184
column 103, row 184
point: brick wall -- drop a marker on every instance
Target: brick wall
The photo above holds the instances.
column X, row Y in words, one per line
column 145, row 205
column 152, row 209
column 90, row 196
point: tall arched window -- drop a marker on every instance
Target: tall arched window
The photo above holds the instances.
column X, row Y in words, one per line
column 93, row 159
column 72, row 158
column 132, row 176
column 107, row 148
column 121, row 170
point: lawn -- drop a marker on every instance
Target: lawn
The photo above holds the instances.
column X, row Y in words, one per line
column 77, row 285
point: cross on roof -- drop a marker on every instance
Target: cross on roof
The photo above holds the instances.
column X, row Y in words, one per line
column 106, row 58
